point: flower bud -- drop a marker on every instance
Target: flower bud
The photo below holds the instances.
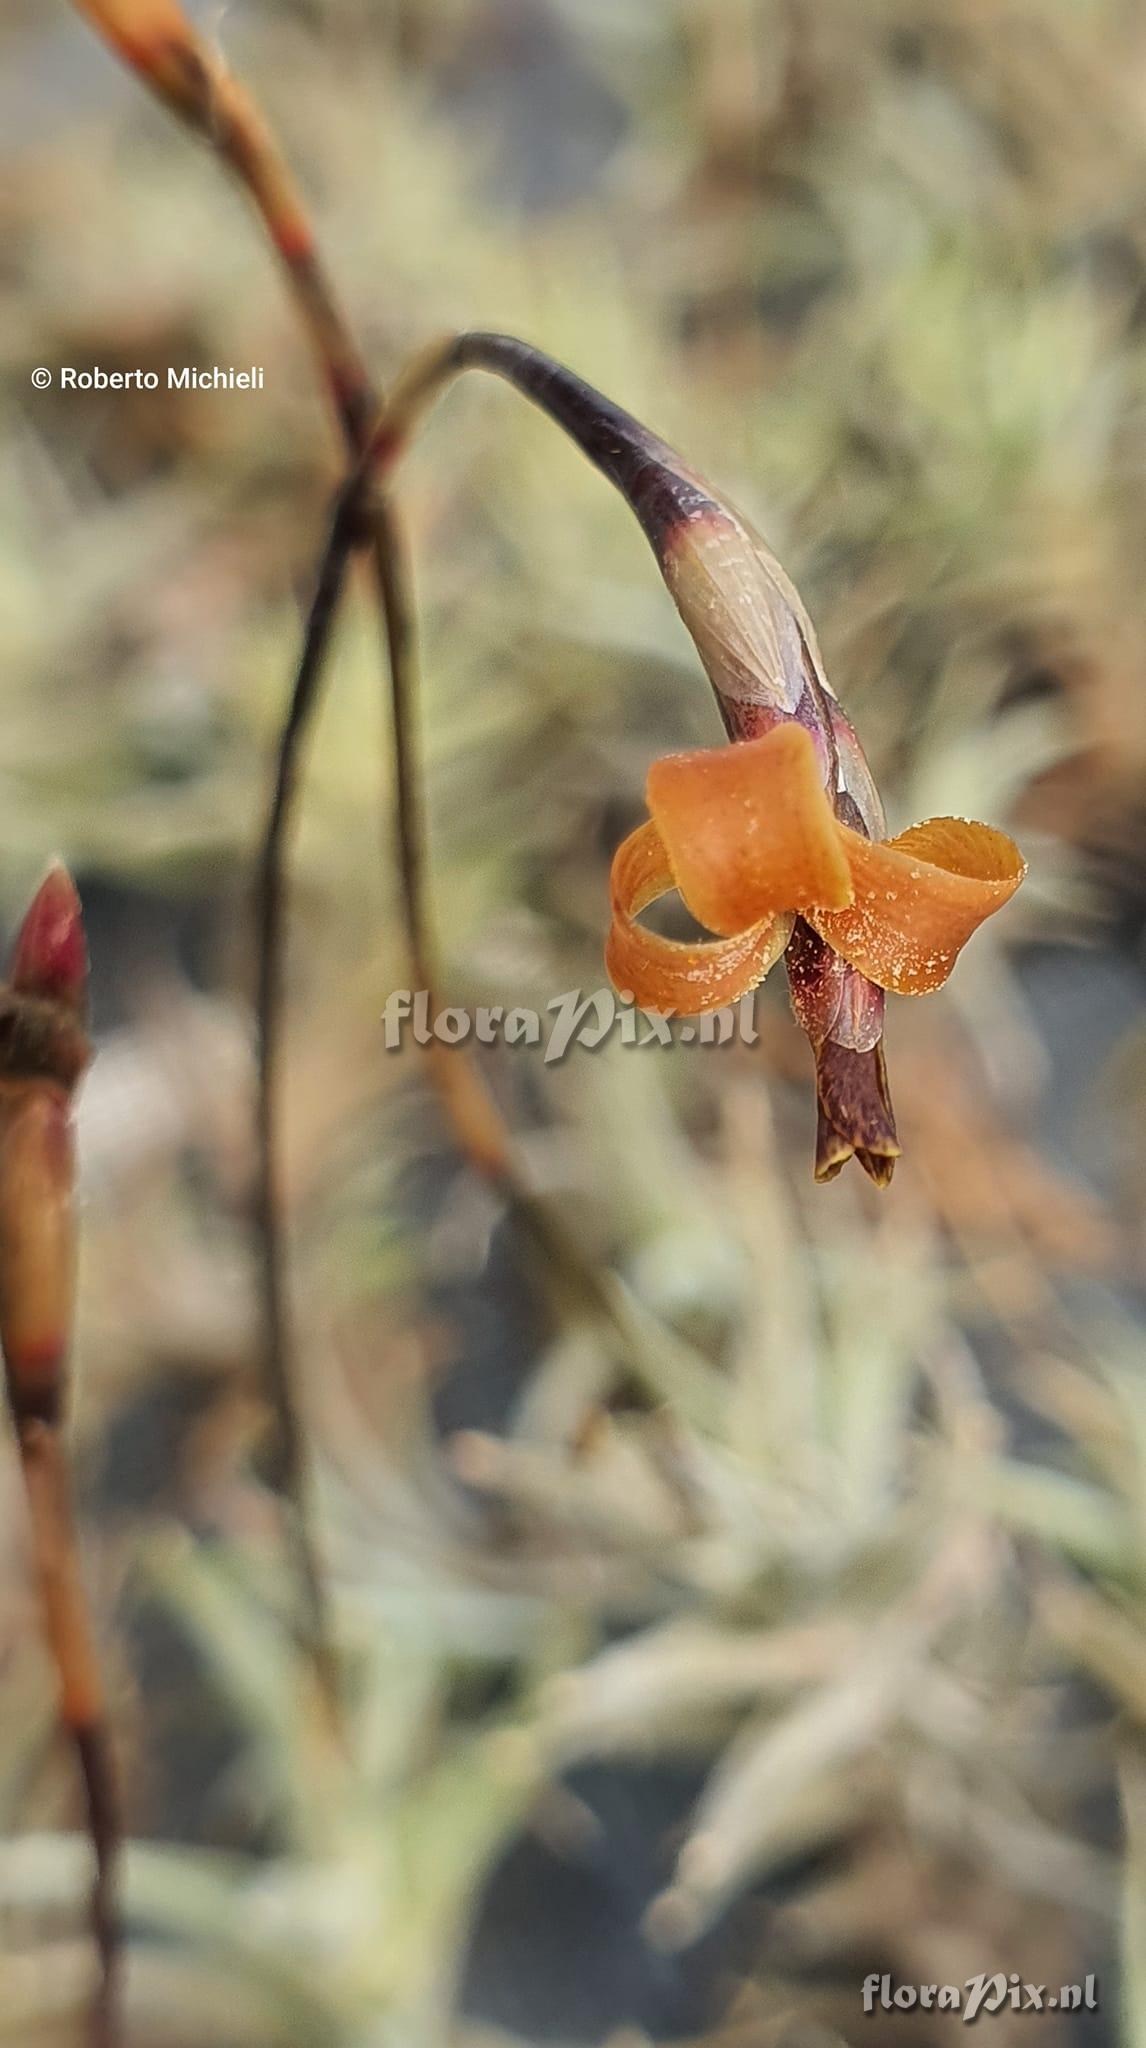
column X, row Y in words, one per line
column 43, row 1050
column 49, row 957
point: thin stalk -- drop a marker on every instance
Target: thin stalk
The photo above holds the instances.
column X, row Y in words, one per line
column 156, row 39
column 288, row 1453
column 43, row 1052
column 159, row 43
column 81, row 1707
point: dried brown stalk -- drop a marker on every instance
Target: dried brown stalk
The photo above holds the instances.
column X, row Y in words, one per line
column 43, row 1051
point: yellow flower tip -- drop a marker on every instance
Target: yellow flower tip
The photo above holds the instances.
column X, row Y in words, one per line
column 878, row 1167
column 749, row 830
column 834, row 1151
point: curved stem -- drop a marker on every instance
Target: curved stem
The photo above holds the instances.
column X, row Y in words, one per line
column 288, row 1460
column 650, row 475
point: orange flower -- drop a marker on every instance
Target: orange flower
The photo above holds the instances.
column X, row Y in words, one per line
column 748, row 837
column 776, row 845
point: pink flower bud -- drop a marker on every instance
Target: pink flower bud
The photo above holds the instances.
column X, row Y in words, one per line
column 50, row 956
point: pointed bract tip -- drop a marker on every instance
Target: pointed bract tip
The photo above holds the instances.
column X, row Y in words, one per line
column 50, row 956
column 855, row 1114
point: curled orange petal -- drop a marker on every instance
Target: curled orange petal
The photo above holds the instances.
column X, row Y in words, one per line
column 918, row 898
column 749, row 830
column 666, row 974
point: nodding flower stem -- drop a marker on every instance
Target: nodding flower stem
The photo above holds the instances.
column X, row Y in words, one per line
column 645, row 469
column 778, row 844
column 675, row 507
column 43, row 1052
column 664, row 494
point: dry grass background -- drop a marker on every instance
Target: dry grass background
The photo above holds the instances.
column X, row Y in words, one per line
column 872, row 1570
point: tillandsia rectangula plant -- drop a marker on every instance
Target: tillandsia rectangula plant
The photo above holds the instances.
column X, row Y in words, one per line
column 775, row 844
column 44, row 1050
